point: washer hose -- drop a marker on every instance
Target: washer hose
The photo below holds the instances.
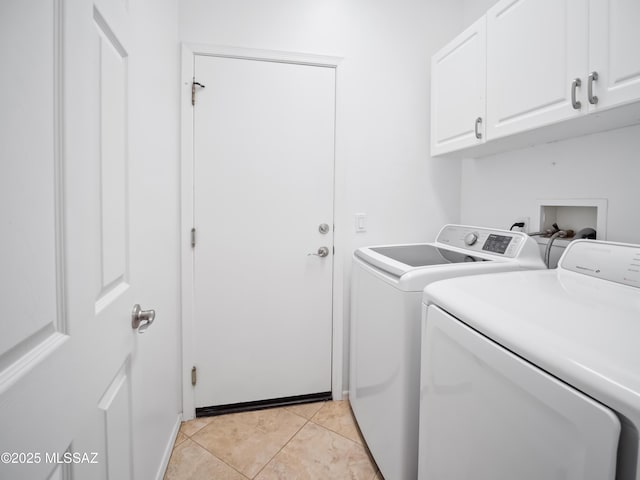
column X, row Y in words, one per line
column 558, row 234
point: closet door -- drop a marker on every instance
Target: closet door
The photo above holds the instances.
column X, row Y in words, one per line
column 536, row 49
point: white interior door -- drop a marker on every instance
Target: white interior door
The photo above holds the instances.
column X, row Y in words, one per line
column 67, row 293
column 100, row 288
column 263, row 182
column 36, row 348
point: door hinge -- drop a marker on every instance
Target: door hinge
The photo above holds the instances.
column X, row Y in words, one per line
column 193, row 90
column 194, row 376
column 193, row 237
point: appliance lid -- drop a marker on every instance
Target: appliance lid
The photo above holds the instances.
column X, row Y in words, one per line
column 400, row 259
column 455, row 244
column 421, row 255
column 560, row 320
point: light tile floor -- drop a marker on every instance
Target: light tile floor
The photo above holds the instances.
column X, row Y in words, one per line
column 316, row 441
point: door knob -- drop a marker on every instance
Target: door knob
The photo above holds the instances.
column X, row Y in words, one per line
column 141, row 319
column 322, row 252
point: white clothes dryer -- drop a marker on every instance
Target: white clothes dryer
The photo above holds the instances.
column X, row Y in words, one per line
column 386, row 295
column 534, row 375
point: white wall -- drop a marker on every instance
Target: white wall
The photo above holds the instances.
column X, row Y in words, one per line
column 474, row 9
column 500, row 188
column 382, row 140
column 154, row 109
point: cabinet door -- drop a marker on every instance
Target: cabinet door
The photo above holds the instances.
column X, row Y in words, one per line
column 614, row 57
column 535, row 51
column 458, row 86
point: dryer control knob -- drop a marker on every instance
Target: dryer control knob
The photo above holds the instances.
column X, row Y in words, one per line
column 471, row 238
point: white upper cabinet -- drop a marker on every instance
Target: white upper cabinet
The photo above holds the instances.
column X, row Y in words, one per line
column 458, row 86
column 536, row 56
column 545, row 68
column 614, row 63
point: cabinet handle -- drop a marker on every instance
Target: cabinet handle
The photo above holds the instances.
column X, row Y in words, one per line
column 478, row 132
column 577, row 105
column 593, row 77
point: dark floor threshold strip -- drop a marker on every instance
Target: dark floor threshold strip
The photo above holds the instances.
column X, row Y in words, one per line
column 262, row 404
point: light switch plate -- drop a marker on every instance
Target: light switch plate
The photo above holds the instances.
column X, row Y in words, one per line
column 361, row 222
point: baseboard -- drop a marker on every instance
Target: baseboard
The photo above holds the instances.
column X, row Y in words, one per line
column 169, row 448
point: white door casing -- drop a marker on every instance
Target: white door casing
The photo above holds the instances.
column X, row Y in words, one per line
column 66, row 355
column 247, row 295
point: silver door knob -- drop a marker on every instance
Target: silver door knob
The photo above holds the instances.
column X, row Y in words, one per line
column 322, row 252
column 141, row 319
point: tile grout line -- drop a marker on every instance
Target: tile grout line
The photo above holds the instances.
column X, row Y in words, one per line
column 209, row 451
column 204, row 426
column 266, row 463
column 362, row 443
column 306, row 422
column 358, row 444
column 217, row 457
column 286, row 443
column 338, row 433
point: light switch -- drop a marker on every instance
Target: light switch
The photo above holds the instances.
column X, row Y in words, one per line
column 361, row 222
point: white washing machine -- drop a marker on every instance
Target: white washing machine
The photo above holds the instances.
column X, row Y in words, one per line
column 387, row 285
column 534, row 375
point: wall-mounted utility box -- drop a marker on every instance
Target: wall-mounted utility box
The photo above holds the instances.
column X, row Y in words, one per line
column 569, row 214
column 574, row 214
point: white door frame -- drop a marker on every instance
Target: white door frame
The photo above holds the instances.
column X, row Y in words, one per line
column 189, row 51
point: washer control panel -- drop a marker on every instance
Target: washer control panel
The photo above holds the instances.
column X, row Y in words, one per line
column 503, row 243
column 497, row 243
